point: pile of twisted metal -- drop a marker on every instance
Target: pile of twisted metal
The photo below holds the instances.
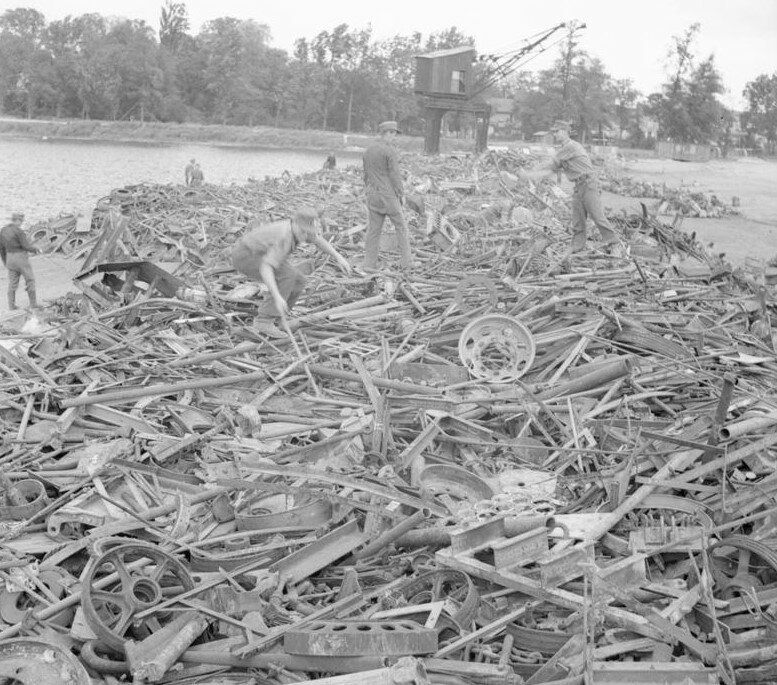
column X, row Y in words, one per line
column 510, row 465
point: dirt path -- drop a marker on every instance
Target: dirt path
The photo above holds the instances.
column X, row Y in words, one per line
column 53, row 279
column 751, row 235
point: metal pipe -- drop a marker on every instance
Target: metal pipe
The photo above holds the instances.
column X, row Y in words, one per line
column 753, row 424
column 441, row 537
column 154, row 656
column 392, row 534
column 329, row 372
column 601, row 376
column 213, row 653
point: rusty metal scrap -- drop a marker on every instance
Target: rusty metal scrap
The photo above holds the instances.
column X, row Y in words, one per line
column 582, row 489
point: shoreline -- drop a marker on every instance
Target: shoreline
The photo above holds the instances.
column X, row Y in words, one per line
column 150, row 142
column 171, row 134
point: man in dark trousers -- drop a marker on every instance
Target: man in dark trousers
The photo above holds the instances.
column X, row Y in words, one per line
column 14, row 246
column 263, row 254
column 575, row 162
column 385, row 196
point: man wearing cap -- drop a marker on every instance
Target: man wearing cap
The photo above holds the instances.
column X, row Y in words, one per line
column 14, row 247
column 385, row 195
column 263, row 252
column 575, row 162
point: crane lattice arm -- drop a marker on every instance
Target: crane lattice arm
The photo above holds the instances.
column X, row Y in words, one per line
column 501, row 66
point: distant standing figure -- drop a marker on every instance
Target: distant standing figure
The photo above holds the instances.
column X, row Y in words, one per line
column 331, row 162
column 385, row 195
column 575, row 162
column 197, row 176
column 14, row 246
column 188, row 171
column 263, row 254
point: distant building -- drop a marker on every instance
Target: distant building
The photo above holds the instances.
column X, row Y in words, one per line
column 648, row 126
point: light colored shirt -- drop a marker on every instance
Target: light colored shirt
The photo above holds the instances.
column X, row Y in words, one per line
column 573, row 160
column 268, row 244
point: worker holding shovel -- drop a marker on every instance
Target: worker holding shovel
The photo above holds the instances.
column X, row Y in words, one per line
column 575, row 162
column 263, row 254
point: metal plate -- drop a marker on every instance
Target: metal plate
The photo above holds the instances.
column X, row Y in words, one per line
column 361, row 638
column 496, row 348
column 32, row 662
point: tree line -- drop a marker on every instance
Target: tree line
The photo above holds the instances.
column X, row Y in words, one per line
column 344, row 79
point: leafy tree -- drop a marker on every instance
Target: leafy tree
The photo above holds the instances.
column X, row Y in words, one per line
column 304, row 88
column 589, row 93
column 687, row 109
column 625, row 97
column 137, row 69
column 565, row 68
column 234, row 53
column 23, row 57
column 173, row 25
column 446, row 39
column 330, row 51
column 761, row 115
column 395, row 75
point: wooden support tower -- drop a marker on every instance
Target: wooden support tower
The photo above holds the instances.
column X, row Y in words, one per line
column 444, row 81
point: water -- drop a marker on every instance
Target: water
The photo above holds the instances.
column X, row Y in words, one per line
column 44, row 178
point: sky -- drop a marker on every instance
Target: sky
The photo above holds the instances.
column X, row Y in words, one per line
column 631, row 38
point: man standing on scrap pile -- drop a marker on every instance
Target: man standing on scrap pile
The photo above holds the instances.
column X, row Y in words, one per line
column 187, row 172
column 575, row 162
column 263, row 254
column 385, row 196
column 14, row 247
column 196, row 177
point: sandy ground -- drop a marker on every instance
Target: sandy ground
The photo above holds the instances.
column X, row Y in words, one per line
column 53, row 279
column 751, row 235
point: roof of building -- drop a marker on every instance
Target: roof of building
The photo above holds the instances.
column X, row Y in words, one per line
column 449, row 52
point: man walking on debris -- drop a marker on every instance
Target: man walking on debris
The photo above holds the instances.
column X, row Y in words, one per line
column 575, row 162
column 385, row 196
column 14, row 247
column 262, row 254
column 188, row 171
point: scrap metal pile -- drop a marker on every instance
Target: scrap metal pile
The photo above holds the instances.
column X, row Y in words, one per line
column 511, row 465
column 684, row 200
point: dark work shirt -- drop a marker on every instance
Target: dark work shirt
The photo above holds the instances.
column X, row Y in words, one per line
column 381, row 170
column 13, row 239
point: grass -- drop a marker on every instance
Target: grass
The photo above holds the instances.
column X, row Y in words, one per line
column 259, row 136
